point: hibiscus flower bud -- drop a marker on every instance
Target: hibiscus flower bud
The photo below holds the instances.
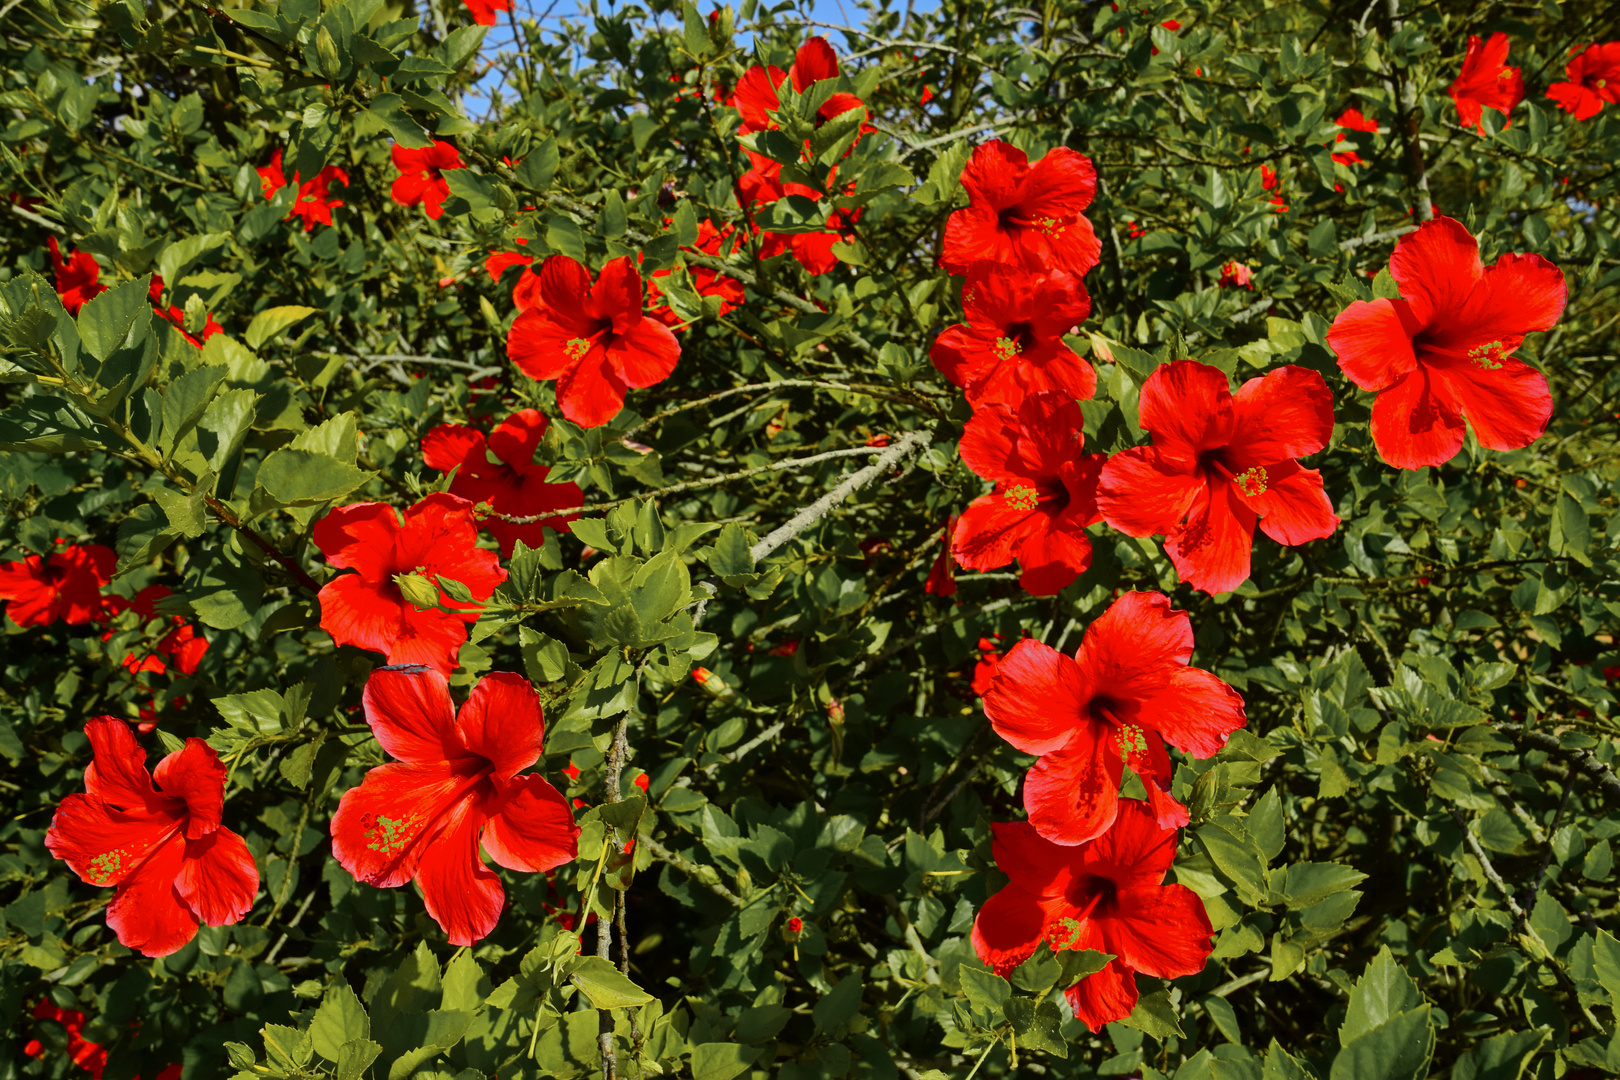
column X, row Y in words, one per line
column 418, row 590
column 326, row 51
column 793, row 928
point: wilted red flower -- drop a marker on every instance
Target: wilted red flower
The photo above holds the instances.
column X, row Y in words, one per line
column 421, row 176
column 514, row 486
column 455, row 784
column 1108, row 895
column 174, row 865
column 1354, row 120
column 1278, row 204
column 984, row 669
column 1127, row 690
column 1023, row 215
column 1441, row 353
column 1236, row 275
column 592, row 338
column 1012, row 344
column 77, row 278
column 1268, row 178
column 1045, row 492
column 176, row 315
column 1594, row 80
column 437, row 536
column 1486, row 82
column 484, row 11
column 180, row 646
column 942, row 575
column 313, row 204
column 756, row 94
column 271, row 176
column 1218, row 461
column 707, row 281
column 65, row 586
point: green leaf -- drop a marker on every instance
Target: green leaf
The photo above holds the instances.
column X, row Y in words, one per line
column 305, row 478
column 180, row 256
column 184, row 402
column 985, row 989
column 51, row 424
column 340, row 1019
column 1500, row 1057
column 389, row 110
column 1304, row 884
column 106, row 321
column 272, row 321
column 286, row 1046
column 1397, row 1048
column 1383, row 991
column 762, row 1023
column 840, row 1004
column 731, row 553
column 722, row 1061
column 606, row 986
column 1155, row 1016
column 538, row 166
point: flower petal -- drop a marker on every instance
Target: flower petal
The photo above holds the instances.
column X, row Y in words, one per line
column 195, row 773
column 534, row 829
column 359, row 537
column 1141, row 492
column 218, row 878
column 1285, row 413
column 990, row 531
column 1072, row 795
column 1104, row 996
column 1196, row 712
column 1052, row 555
column 117, row 770
column 1293, row 508
column 1416, row 422
column 1211, row 550
column 146, row 913
column 1131, row 650
column 1188, row 408
column 412, row 716
column 1032, row 863
column 1035, row 699
column 103, row 845
column 1162, row 931
column 1436, row 268
column 462, row 894
column 645, row 354
column 1373, row 340
column 1007, row 929
column 449, row 445
column 382, row 827
column 514, row 440
column 503, row 723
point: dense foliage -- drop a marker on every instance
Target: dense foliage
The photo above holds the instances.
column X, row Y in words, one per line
column 306, row 367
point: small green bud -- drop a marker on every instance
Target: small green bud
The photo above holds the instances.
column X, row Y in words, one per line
column 417, row 590
column 326, row 49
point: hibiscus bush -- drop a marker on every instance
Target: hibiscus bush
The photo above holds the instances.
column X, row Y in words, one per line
column 1072, row 542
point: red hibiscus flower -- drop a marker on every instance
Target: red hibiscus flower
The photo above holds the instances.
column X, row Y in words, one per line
column 1108, row 895
column 514, row 485
column 1442, row 352
column 66, row 586
column 1354, row 120
column 437, row 536
column 1127, row 690
column 1236, row 275
column 1594, row 80
column 1268, row 178
column 484, row 11
column 271, row 176
column 1217, row 463
column 942, row 575
column 1045, row 493
column 174, row 865
column 455, row 783
column 500, row 261
column 756, row 94
column 314, row 203
column 77, row 279
column 176, row 316
column 592, row 338
column 761, row 185
column 421, row 176
column 1012, row 345
column 180, row 646
column 984, row 669
column 707, row 282
column 1486, row 82
column 1027, row 216
column 89, row 1056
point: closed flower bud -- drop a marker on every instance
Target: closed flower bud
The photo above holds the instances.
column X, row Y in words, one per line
column 417, row 590
column 326, row 49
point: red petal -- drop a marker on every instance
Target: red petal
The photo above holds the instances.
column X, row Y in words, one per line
column 1161, row 931
column 1211, row 550
column 461, row 893
column 1285, row 413
column 1131, row 651
column 1060, row 184
column 991, row 531
column 1137, row 850
column 645, row 354
column 1141, row 492
column 218, row 878
column 617, row 294
column 1373, row 340
column 1072, row 795
column 382, row 827
column 1517, row 295
column 592, row 392
column 357, row 613
column 1103, row 997
column 103, row 845
column 1032, row 863
column 988, row 445
column 1508, row 405
column 1196, row 712
column 515, row 439
column 1188, row 408
column 359, row 537
column 1436, row 268
column 565, row 286
column 1007, row 929
column 538, row 344
column 814, row 61
column 117, row 771
column 1294, row 509
column 534, row 829
column 195, row 773
column 412, row 716
column 449, row 445
column 1052, row 555
column 1036, row 697
column 146, row 913
column 502, row 722
column 1416, row 423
